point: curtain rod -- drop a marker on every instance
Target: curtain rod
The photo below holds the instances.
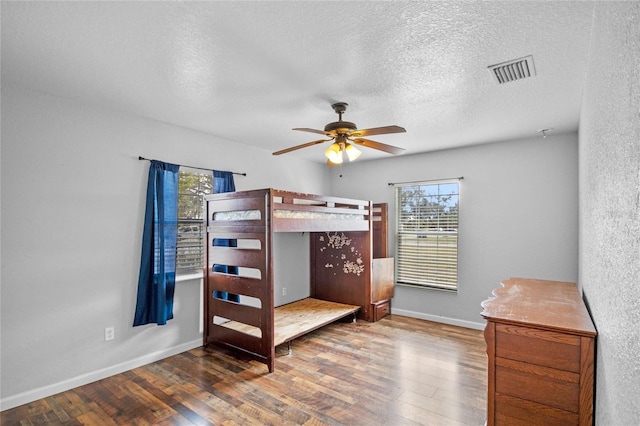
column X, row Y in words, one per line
column 191, row 167
column 421, row 181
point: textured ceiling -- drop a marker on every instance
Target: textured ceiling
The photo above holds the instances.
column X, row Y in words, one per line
column 251, row 71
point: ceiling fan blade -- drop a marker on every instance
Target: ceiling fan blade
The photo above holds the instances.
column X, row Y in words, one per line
column 320, row 132
column 304, row 145
column 378, row 131
column 377, row 145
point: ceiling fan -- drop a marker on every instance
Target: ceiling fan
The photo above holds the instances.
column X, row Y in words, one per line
column 345, row 135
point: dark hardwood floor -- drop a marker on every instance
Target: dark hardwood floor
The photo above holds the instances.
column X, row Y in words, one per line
column 398, row 371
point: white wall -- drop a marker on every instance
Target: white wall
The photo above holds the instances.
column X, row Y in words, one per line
column 291, row 267
column 610, row 208
column 518, row 216
column 72, row 211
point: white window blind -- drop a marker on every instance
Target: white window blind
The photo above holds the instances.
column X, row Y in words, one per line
column 427, row 234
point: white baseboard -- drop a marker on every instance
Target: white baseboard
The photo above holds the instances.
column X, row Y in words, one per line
column 45, row 391
column 438, row 318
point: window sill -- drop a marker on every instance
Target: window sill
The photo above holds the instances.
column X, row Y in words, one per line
column 189, row 277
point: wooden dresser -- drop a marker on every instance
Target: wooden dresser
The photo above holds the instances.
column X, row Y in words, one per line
column 540, row 347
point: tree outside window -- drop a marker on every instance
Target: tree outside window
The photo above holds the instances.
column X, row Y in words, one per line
column 190, row 251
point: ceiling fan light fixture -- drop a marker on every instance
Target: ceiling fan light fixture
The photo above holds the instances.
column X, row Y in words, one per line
column 334, row 153
column 352, row 152
column 344, row 132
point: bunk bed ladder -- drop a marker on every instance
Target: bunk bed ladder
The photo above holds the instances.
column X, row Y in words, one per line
column 246, row 324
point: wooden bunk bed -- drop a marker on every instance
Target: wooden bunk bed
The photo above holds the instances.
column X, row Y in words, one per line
column 345, row 279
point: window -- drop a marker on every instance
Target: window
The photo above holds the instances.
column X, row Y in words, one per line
column 190, row 249
column 427, row 234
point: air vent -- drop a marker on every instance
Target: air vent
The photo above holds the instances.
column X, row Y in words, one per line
column 516, row 69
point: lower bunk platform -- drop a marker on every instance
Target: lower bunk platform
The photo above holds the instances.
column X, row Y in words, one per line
column 299, row 318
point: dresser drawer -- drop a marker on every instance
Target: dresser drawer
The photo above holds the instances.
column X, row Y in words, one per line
column 540, row 347
column 511, row 411
column 541, row 385
column 381, row 310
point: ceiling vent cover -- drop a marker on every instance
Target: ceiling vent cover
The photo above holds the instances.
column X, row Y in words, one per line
column 513, row 70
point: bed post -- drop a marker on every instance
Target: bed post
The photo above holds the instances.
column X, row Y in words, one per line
column 269, row 297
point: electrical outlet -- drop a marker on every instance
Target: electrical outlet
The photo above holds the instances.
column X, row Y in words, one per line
column 284, row 291
column 109, row 334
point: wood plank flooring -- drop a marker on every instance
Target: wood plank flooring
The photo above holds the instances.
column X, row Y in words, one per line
column 398, row 371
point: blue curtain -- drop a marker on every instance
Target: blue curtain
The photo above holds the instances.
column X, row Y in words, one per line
column 223, row 182
column 157, row 279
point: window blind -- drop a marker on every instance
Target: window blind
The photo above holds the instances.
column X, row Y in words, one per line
column 427, row 234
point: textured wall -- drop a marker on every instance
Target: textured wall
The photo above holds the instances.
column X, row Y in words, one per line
column 610, row 207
